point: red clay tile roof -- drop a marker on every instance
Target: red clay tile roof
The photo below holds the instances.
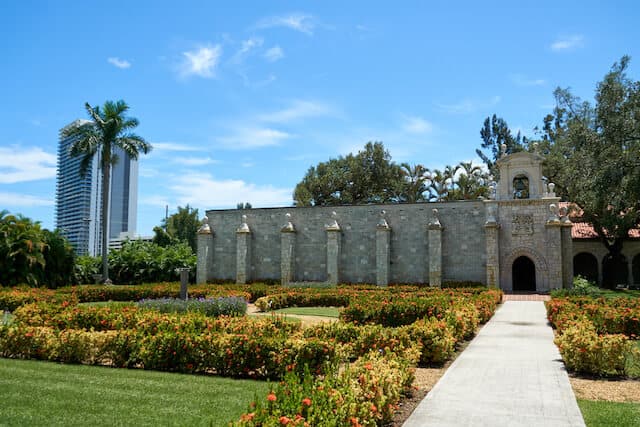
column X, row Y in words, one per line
column 583, row 230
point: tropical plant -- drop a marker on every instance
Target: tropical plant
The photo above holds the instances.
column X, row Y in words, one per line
column 22, row 248
column 182, row 226
column 494, row 133
column 415, row 185
column 108, row 130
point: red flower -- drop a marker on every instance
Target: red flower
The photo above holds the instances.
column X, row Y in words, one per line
column 271, row 397
column 284, row 420
column 306, row 401
column 373, row 408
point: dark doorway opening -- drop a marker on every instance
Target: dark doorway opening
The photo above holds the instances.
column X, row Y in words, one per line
column 523, row 273
column 636, row 270
column 614, row 271
column 586, row 265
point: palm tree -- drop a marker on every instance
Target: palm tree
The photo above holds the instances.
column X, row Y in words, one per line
column 438, row 185
column 415, row 177
column 108, row 129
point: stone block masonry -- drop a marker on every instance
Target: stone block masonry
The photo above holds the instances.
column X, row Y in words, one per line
column 345, row 243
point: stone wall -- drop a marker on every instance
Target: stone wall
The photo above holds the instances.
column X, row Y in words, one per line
column 360, row 259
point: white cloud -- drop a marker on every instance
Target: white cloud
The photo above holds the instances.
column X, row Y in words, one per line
column 22, row 200
column 295, row 21
column 147, row 172
column 243, row 138
column 467, row 106
column 172, row 146
column 245, row 49
column 414, row 124
column 522, row 80
column 298, row 109
column 567, row 43
column 201, row 62
column 274, row 54
column 203, row 189
column 119, row 63
column 194, row 161
column 21, row 165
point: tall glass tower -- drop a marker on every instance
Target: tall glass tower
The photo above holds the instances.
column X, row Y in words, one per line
column 78, row 199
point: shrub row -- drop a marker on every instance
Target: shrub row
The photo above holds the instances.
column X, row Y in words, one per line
column 366, row 393
column 233, row 355
column 595, row 335
column 223, row 306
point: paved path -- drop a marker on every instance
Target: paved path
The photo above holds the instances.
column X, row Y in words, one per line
column 511, row 374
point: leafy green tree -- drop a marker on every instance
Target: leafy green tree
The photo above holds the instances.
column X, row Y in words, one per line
column 494, row 133
column 181, row 226
column 595, row 151
column 366, row 177
column 471, row 182
column 438, row 185
column 108, row 129
column 32, row 255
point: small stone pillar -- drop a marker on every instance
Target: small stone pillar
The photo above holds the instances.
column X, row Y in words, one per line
column 204, row 251
column 287, row 251
column 243, row 252
column 567, row 249
column 383, row 239
column 435, row 250
column 491, row 230
column 334, row 233
column 554, row 252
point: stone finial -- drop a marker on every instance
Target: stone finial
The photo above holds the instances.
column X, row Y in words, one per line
column 244, row 227
column 564, row 215
column 535, row 148
column 503, row 150
column 492, row 190
column 552, row 188
column 288, row 226
column 333, row 225
column 435, row 221
column 553, row 217
column 382, row 223
column 205, row 228
column 492, row 212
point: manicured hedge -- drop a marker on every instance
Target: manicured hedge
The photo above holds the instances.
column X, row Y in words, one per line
column 596, row 335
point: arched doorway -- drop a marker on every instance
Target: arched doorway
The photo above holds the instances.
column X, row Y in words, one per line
column 523, row 273
column 586, row 265
column 614, row 271
column 636, row 269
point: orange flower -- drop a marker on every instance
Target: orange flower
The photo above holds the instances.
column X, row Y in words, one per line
column 271, row 397
column 368, row 366
column 284, row 420
column 306, row 401
column 373, row 408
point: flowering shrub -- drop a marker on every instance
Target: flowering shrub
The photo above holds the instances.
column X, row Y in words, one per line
column 435, row 338
column 363, row 394
column 223, row 306
column 583, row 350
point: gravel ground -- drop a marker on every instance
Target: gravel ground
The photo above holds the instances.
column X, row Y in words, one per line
column 610, row 390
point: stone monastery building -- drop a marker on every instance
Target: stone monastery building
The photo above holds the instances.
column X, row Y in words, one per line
column 521, row 239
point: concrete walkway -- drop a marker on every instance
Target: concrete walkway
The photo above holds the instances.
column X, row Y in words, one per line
column 511, row 374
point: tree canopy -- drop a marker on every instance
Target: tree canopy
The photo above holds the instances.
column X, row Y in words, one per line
column 593, row 154
column 495, row 132
column 366, row 177
column 181, row 226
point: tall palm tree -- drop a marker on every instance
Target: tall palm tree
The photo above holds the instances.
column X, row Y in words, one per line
column 108, row 129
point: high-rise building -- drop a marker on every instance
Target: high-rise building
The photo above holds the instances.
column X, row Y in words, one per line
column 79, row 200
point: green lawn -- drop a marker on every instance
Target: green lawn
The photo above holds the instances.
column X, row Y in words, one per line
column 610, row 293
column 49, row 394
column 600, row 414
column 311, row 311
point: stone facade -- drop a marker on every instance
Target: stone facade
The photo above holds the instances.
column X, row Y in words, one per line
column 517, row 240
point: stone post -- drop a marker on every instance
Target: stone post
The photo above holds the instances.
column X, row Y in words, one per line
column 567, row 250
column 243, row 252
column 554, row 249
column 204, row 251
column 287, row 251
column 333, row 250
column 383, row 238
column 491, row 230
column 435, row 250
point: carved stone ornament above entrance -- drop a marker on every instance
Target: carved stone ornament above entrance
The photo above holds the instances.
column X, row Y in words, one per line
column 522, row 224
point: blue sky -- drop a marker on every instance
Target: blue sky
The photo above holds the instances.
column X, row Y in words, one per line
column 240, row 98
